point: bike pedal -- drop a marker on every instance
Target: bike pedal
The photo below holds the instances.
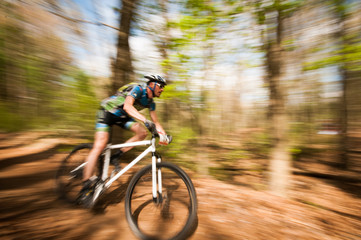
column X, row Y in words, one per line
column 86, row 199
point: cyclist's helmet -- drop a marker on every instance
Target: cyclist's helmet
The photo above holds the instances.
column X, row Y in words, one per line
column 156, row 78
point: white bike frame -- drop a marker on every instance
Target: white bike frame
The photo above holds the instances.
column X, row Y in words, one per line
column 105, row 174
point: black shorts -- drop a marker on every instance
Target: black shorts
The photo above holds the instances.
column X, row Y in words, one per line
column 106, row 119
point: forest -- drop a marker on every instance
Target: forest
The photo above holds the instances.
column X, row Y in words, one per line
column 267, row 89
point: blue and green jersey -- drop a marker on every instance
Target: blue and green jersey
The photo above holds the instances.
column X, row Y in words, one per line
column 115, row 103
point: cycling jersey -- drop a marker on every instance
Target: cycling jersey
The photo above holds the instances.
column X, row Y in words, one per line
column 115, row 103
column 112, row 111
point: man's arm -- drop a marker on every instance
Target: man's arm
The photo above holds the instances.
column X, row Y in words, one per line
column 154, row 117
column 131, row 110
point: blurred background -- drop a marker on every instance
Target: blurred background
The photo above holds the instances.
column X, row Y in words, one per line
column 264, row 100
column 254, row 85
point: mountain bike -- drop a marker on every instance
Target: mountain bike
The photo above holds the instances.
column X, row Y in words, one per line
column 160, row 200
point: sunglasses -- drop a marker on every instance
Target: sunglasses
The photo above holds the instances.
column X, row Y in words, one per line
column 160, row 85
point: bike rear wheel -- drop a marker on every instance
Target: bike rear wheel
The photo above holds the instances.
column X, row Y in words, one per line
column 70, row 173
column 172, row 215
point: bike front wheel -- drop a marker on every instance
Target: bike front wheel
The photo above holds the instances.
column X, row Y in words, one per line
column 172, row 215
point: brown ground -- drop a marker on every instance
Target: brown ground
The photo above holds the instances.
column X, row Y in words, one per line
column 318, row 208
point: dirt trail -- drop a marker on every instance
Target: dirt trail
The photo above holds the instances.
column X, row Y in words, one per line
column 29, row 209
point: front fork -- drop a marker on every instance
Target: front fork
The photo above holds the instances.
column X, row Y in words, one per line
column 156, row 178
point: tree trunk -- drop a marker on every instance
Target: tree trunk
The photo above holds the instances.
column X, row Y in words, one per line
column 122, row 66
column 163, row 46
column 279, row 158
column 344, row 73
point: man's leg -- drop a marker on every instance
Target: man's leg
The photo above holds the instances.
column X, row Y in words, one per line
column 140, row 134
column 86, row 193
column 100, row 142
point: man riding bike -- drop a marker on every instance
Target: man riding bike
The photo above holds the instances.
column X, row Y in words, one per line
column 122, row 109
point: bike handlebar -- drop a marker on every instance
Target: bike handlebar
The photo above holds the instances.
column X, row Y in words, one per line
column 155, row 134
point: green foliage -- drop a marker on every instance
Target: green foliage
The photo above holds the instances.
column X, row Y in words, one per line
column 295, row 151
column 220, row 173
column 346, row 55
column 38, row 86
column 181, row 150
column 289, row 45
column 348, row 50
column 259, row 144
column 234, row 155
column 284, row 7
column 176, row 90
column 72, row 107
column 76, row 103
column 10, row 121
column 183, row 138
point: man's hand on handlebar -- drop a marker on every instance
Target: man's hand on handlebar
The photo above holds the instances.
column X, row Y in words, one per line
column 151, row 126
column 164, row 139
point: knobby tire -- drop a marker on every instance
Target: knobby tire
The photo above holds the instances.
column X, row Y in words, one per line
column 178, row 207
